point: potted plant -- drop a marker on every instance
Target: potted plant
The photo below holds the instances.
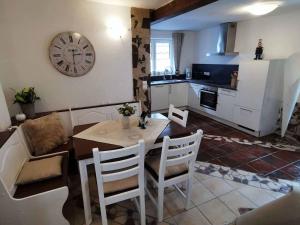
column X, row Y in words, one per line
column 126, row 111
column 26, row 98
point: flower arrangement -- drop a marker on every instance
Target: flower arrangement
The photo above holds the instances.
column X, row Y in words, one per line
column 26, row 96
column 126, row 110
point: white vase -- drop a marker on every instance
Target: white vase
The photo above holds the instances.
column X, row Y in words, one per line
column 126, row 122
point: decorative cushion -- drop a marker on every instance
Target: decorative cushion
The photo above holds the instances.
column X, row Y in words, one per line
column 113, row 187
column 152, row 164
column 44, row 134
column 38, row 170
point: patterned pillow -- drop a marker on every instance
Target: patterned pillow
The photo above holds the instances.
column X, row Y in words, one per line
column 44, row 134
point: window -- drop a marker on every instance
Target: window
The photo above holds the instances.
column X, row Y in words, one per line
column 161, row 57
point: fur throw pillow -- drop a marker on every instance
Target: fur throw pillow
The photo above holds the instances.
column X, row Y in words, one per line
column 44, row 134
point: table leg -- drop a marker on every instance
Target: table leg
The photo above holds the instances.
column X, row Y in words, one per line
column 85, row 191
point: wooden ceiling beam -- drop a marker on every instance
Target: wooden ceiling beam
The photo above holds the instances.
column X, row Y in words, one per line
column 177, row 7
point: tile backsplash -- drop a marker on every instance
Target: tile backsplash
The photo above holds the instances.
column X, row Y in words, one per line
column 216, row 73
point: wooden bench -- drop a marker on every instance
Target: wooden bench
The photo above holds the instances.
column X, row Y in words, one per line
column 38, row 203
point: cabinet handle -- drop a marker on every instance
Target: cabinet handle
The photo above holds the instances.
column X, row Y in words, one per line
column 248, row 110
column 159, row 86
column 170, row 89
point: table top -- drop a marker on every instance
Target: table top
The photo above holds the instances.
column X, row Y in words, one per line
column 83, row 148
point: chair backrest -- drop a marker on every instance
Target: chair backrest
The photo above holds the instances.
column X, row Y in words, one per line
column 180, row 151
column 13, row 155
column 178, row 115
column 119, row 164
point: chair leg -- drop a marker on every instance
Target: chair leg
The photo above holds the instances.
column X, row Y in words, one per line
column 142, row 209
column 160, row 205
column 103, row 214
column 189, row 184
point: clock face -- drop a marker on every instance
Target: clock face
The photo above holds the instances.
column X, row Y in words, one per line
column 72, row 54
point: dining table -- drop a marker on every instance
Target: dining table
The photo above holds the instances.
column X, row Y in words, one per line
column 83, row 149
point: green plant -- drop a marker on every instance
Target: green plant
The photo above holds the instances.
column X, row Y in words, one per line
column 126, row 110
column 26, row 96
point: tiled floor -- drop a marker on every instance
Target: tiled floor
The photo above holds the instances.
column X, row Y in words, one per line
column 264, row 161
column 215, row 201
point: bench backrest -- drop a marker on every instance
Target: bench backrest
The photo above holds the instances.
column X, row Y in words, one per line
column 13, row 155
column 99, row 114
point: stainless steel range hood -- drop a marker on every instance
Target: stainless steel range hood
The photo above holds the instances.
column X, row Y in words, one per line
column 226, row 40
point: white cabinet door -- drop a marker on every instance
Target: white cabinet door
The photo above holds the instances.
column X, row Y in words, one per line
column 246, row 117
column 178, row 94
column 226, row 101
column 252, row 82
column 194, row 97
column 159, row 97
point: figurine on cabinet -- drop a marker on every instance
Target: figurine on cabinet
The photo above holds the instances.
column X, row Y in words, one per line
column 143, row 120
column 259, row 50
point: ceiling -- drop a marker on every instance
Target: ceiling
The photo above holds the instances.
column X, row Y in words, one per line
column 219, row 12
column 148, row 4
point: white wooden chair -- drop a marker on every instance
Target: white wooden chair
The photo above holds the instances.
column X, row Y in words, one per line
column 120, row 176
column 178, row 115
column 174, row 165
column 43, row 207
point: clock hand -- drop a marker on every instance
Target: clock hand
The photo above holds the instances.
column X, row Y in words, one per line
column 73, row 53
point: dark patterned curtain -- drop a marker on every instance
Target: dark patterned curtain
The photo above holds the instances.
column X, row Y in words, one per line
column 140, row 28
column 177, row 46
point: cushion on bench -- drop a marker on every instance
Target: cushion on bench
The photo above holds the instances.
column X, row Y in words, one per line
column 38, row 170
column 45, row 185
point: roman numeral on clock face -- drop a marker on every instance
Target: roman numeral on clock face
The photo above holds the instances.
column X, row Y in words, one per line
column 87, row 61
column 60, row 62
column 62, row 40
column 67, row 68
column 57, row 55
column 85, row 46
column 88, row 54
column 75, row 70
column 70, row 38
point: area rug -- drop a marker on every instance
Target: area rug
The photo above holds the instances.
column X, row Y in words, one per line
column 280, row 146
column 245, row 177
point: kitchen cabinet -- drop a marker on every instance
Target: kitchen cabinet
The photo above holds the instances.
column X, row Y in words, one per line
column 194, row 96
column 247, row 118
column 159, row 97
column 225, row 106
column 164, row 95
column 178, row 94
column 259, row 95
column 252, row 82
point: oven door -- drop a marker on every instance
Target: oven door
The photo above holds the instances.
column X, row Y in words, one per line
column 208, row 99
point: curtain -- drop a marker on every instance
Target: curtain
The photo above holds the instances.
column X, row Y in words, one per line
column 140, row 28
column 177, row 46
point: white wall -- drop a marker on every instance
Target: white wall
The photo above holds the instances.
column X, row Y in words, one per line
column 280, row 34
column 187, row 54
column 27, row 28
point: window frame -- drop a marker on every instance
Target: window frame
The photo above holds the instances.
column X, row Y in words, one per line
column 154, row 41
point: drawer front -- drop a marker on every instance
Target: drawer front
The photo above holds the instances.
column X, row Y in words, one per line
column 223, row 91
column 246, row 117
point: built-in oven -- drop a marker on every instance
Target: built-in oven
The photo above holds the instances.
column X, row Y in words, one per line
column 209, row 97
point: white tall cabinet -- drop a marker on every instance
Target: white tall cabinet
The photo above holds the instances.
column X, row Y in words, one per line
column 259, row 95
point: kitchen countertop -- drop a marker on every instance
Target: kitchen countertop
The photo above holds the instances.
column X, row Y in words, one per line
column 161, row 82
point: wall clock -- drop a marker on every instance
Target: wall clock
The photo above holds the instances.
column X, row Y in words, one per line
column 72, row 54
